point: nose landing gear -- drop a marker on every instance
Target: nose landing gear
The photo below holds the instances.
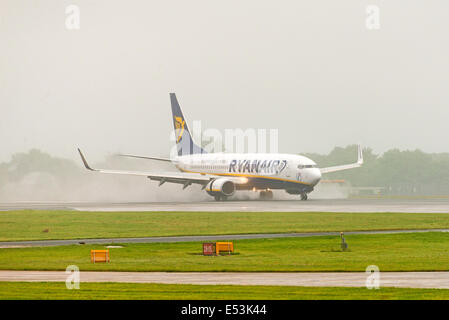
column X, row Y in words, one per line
column 303, row 193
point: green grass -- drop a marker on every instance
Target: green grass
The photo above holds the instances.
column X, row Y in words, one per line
column 30, row 225
column 391, row 252
column 87, row 291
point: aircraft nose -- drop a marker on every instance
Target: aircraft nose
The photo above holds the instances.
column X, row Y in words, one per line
column 315, row 176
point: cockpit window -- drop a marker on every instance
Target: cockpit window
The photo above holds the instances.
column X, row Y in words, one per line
column 303, row 166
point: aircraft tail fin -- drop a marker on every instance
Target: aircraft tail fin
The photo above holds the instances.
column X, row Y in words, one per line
column 184, row 141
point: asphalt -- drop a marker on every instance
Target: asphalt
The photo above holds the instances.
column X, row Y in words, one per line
column 437, row 280
column 47, row 243
column 311, row 205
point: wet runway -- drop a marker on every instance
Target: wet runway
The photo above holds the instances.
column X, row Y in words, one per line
column 312, row 205
column 438, row 280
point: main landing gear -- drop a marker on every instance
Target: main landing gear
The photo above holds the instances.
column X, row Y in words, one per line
column 220, row 197
column 266, row 195
column 303, row 196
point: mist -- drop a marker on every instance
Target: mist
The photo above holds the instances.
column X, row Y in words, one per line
column 310, row 69
column 37, row 177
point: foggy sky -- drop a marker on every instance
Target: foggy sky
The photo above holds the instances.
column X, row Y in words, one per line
column 308, row 68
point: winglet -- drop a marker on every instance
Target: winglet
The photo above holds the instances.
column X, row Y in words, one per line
column 357, row 164
column 84, row 161
column 360, row 155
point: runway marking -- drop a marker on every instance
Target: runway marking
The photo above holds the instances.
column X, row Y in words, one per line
column 46, row 243
column 437, row 280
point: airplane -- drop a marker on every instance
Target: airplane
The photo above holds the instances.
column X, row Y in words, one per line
column 222, row 174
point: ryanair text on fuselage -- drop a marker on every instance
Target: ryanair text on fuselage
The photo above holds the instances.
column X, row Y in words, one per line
column 257, row 166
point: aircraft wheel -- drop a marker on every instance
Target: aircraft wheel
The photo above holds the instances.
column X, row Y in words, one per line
column 217, row 197
column 266, row 195
column 304, row 196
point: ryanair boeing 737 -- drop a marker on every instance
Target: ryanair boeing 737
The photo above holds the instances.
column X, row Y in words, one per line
column 222, row 174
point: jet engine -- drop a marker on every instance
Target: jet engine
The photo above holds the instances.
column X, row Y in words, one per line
column 221, row 186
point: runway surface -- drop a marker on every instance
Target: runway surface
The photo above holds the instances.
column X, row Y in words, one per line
column 312, row 205
column 438, row 280
column 49, row 243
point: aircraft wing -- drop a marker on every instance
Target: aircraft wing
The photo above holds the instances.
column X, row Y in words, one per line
column 346, row 166
column 175, row 177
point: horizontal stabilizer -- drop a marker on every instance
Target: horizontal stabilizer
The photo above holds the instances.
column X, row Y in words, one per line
column 144, row 157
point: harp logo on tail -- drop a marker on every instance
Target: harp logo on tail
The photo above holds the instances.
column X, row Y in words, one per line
column 179, row 124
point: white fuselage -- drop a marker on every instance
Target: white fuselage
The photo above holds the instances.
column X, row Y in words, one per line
column 262, row 170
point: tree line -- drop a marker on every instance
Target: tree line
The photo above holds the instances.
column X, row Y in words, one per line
column 406, row 172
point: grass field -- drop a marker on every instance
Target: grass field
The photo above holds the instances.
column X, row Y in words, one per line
column 37, row 225
column 391, row 252
column 57, row 290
